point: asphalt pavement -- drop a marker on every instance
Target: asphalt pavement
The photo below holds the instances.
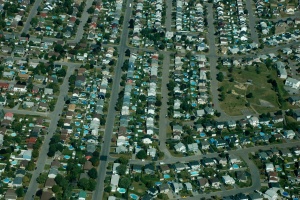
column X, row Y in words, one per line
column 105, row 149
column 32, row 14
column 40, row 164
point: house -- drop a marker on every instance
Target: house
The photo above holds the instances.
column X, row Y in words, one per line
column 20, row 173
column 43, row 106
column 214, row 182
column 72, row 107
column 205, row 145
column 114, row 182
column 270, row 167
column 180, row 147
column 165, row 169
column 255, row 196
column 203, row 183
column 228, row 180
column 241, row 196
column 164, row 188
column 254, row 121
column 50, row 182
column 152, row 191
column 149, row 169
column 294, row 100
column 285, row 152
column 194, row 165
column 80, row 81
column 209, row 110
column 136, row 169
column 151, row 152
column 20, row 88
column 177, row 187
column 82, row 195
column 241, row 176
column 179, row 167
column 188, row 186
column 263, row 155
column 55, row 164
column 10, row 194
column 17, row 182
column 208, row 162
column 289, row 134
column 48, row 91
column 293, row 83
column 47, row 195
column 193, row 147
column 28, row 104
column 222, row 161
column 9, row 116
column 233, row 159
column 52, row 172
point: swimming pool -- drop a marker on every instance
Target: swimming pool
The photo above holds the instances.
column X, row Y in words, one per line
column 235, row 166
column 13, row 134
column 166, row 176
column 67, row 157
column 77, row 123
column 202, row 134
column 278, row 169
column 121, row 190
column 194, row 173
column 134, row 196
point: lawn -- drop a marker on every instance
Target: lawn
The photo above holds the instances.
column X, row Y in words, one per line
column 139, row 188
column 264, row 98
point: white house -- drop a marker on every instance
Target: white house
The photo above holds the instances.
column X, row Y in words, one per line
column 177, row 187
column 294, row 83
column 115, row 166
column 114, row 182
column 253, row 121
column 290, row 134
column 228, row 180
column 151, row 152
column 270, row 167
column 180, row 147
column 193, row 147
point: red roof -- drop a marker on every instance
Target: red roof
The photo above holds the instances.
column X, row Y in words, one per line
column 9, row 114
column 31, row 140
column 4, row 85
column 72, row 19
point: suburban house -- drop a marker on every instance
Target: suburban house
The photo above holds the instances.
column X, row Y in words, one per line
column 293, row 83
column 180, row 147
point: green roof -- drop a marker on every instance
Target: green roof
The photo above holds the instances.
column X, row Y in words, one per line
column 82, row 194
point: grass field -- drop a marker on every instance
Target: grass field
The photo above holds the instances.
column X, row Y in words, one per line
column 264, row 98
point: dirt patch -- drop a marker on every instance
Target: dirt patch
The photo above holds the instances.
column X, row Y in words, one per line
column 241, row 86
column 265, row 103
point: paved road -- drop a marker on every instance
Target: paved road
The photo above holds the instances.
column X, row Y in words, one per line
column 213, row 63
column 252, row 22
column 83, row 20
column 168, row 20
column 27, row 112
column 163, row 120
column 32, row 14
column 40, row 164
column 98, row 193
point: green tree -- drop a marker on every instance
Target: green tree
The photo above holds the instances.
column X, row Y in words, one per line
column 61, row 73
column 56, row 189
column 53, row 86
column 141, row 154
column 93, row 173
column 121, row 169
column 20, row 192
column 107, row 189
column 58, row 48
column 41, row 179
column 83, row 183
column 123, row 160
column 91, row 10
column 124, row 182
column 220, row 76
